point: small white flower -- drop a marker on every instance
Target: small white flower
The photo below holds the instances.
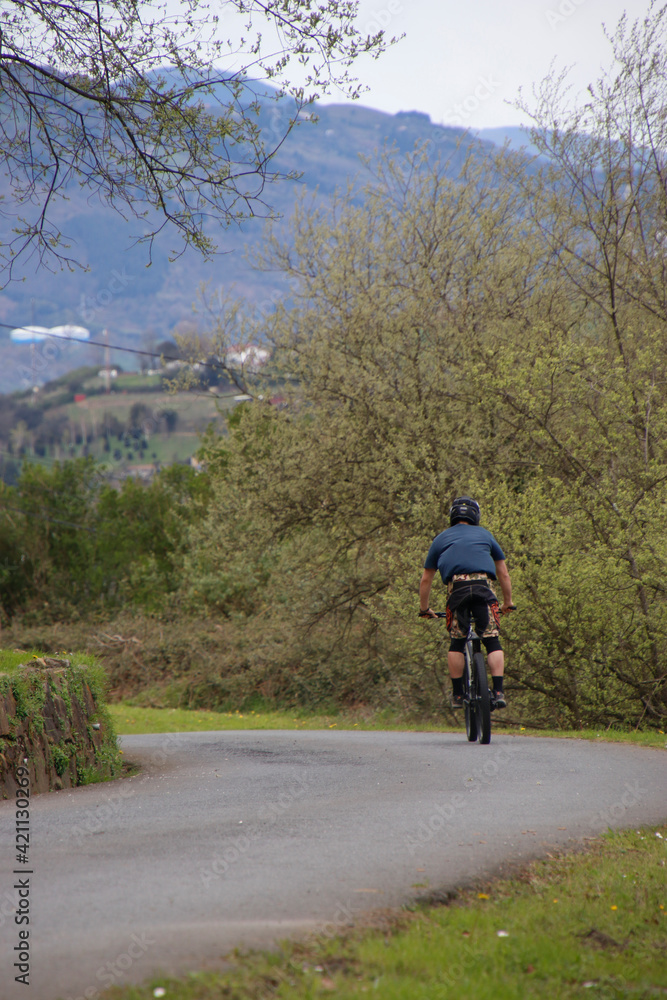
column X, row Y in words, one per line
column 159, row 991
column 658, row 834
column 503, row 933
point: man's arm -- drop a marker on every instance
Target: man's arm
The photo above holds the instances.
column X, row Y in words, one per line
column 425, row 590
column 503, row 577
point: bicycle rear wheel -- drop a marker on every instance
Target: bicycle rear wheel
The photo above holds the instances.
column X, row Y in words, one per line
column 483, row 698
column 470, row 701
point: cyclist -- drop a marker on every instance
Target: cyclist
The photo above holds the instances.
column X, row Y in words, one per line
column 470, row 560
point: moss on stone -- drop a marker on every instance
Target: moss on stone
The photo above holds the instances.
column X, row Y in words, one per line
column 48, row 710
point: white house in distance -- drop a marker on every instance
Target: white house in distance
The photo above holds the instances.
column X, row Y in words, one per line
column 33, row 334
column 249, row 357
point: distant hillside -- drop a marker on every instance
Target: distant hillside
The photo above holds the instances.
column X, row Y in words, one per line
column 134, row 301
column 516, row 137
column 133, row 426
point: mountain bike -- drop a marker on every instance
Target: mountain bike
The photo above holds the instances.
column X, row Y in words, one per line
column 477, row 700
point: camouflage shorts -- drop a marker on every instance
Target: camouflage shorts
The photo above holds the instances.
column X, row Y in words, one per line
column 492, row 629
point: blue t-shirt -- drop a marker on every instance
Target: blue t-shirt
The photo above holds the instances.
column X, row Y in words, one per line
column 464, row 548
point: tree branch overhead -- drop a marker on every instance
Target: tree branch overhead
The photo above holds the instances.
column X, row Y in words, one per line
column 156, row 113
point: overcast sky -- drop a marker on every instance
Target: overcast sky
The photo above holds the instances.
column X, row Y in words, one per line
column 461, row 60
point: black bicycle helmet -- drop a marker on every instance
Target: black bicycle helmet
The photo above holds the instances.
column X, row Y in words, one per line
column 464, row 509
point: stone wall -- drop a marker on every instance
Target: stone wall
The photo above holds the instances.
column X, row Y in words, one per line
column 52, row 714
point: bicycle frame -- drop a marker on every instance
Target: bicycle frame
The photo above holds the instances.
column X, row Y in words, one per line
column 477, row 700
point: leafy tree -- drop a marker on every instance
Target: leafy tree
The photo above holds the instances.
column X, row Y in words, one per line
column 58, row 532
column 394, row 301
column 593, row 406
column 506, row 339
column 125, row 100
column 139, row 415
column 73, row 544
column 170, row 418
column 168, row 350
column 16, row 568
column 141, row 532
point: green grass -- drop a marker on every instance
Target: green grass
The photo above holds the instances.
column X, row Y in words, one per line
column 590, row 924
column 170, row 448
column 196, row 410
column 134, row 382
column 167, row 449
column 131, row 381
column 641, row 737
column 10, row 659
column 136, row 719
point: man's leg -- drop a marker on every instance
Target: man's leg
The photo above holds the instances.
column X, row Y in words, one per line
column 496, row 660
column 456, row 663
column 486, row 623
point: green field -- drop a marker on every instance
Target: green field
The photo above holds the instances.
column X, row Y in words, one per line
column 83, row 426
column 163, row 448
column 195, row 410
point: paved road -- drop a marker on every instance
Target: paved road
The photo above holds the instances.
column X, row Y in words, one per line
column 240, row 838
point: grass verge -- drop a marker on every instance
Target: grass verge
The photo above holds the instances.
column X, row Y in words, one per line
column 129, row 718
column 136, row 719
column 593, row 921
column 10, row 659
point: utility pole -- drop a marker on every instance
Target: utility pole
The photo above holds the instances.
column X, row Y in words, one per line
column 107, row 361
column 32, row 346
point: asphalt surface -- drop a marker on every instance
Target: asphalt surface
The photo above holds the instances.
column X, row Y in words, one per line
column 242, row 838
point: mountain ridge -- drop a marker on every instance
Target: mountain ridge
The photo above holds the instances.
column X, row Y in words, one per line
column 135, row 297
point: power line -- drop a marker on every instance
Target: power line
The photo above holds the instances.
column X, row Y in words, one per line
column 130, row 350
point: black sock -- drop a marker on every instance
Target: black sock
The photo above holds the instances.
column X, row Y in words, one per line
column 497, row 683
column 457, row 685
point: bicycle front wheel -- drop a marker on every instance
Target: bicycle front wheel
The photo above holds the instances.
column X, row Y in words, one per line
column 470, row 702
column 483, row 698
